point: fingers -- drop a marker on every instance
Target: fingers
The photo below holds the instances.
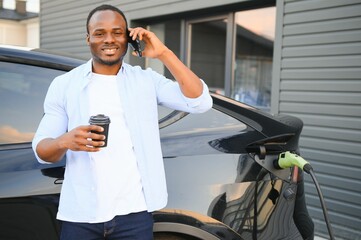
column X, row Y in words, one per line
column 153, row 47
column 135, row 54
column 133, row 33
column 86, row 138
column 91, row 143
column 139, row 33
column 94, row 136
column 92, row 128
column 96, row 139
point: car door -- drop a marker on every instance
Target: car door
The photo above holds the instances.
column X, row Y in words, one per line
column 29, row 191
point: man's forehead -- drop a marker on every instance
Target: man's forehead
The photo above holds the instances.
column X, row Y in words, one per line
column 107, row 16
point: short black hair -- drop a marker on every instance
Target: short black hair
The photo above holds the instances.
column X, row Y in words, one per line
column 104, row 7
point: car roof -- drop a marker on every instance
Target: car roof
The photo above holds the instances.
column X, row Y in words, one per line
column 39, row 57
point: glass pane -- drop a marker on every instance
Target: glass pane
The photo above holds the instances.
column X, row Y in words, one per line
column 254, row 54
column 196, row 132
column 22, row 92
column 169, row 33
column 208, row 51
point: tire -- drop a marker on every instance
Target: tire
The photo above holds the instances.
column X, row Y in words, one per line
column 173, row 236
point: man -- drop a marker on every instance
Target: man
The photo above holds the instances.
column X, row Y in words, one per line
column 110, row 192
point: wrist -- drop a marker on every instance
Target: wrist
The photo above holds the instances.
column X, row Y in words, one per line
column 165, row 54
column 61, row 143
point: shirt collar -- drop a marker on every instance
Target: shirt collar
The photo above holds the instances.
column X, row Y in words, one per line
column 87, row 73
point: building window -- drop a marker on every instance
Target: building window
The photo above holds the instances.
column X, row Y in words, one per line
column 169, row 32
column 255, row 30
column 233, row 53
column 206, row 50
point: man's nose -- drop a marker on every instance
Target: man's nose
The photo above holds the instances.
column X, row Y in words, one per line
column 109, row 37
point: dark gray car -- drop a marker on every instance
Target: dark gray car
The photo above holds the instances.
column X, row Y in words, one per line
column 219, row 165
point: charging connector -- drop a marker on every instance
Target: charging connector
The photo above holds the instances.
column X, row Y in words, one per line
column 287, row 160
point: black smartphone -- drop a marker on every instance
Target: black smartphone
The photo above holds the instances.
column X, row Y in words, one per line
column 135, row 44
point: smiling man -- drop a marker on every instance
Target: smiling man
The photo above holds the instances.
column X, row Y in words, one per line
column 110, row 192
column 107, row 40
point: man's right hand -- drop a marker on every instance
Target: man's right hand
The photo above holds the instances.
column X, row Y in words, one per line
column 82, row 139
column 78, row 139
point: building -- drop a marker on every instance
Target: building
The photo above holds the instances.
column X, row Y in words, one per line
column 19, row 27
column 298, row 57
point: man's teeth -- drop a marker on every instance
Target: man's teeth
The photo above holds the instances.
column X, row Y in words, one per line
column 110, row 50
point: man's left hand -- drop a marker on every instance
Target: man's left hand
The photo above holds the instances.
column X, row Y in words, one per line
column 154, row 48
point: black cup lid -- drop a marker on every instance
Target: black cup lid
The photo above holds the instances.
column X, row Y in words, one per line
column 99, row 119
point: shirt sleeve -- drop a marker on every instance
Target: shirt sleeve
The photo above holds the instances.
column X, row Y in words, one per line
column 170, row 95
column 54, row 121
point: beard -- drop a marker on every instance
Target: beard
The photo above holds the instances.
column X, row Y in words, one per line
column 109, row 62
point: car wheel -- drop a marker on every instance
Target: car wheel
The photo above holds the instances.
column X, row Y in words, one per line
column 173, row 236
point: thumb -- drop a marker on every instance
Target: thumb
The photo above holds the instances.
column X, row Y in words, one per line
column 135, row 54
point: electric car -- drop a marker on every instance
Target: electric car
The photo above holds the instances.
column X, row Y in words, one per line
column 220, row 172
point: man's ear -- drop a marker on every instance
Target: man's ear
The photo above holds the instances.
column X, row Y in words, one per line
column 87, row 39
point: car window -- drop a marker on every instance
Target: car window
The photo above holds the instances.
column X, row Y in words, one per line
column 210, row 121
column 194, row 133
column 22, row 92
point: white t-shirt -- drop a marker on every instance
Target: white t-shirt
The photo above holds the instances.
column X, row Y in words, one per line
column 115, row 170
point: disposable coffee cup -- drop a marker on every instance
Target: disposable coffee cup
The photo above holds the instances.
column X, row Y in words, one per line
column 103, row 121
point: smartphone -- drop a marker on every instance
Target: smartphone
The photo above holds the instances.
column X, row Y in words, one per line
column 135, row 44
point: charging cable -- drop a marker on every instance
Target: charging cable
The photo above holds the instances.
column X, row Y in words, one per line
column 287, row 160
